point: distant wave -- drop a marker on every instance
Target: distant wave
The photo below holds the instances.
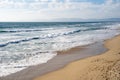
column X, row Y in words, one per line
column 52, row 35
column 14, row 31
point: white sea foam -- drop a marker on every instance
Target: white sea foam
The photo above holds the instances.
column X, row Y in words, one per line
column 27, row 47
column 6, row 69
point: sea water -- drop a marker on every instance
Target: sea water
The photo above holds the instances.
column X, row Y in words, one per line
column 24, row 44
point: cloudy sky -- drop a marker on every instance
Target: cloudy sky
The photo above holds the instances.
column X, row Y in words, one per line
column 50, row 10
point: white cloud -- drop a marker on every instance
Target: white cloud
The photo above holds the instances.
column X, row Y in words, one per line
column 39, row 10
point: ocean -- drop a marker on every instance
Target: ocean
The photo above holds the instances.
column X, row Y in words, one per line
column 24, row 44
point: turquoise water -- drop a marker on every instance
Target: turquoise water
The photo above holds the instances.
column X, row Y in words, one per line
column 23, row 44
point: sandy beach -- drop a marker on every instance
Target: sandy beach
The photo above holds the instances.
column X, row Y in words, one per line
column 59, row 39
column 101, row 67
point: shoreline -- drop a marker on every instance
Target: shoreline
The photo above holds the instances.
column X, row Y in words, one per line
column 101, row 67
column 60, row 61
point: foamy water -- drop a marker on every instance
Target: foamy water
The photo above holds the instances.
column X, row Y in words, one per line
column 27, row 44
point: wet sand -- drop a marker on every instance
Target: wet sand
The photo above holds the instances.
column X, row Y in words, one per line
column 101, row 67
column 60, row 61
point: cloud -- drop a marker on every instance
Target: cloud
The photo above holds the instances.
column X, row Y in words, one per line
column 40, row 10
column 12, row 4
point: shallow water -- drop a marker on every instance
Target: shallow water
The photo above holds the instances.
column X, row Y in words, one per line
column 26, row 44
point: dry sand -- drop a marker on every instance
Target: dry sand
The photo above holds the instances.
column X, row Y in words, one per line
column 101, row 67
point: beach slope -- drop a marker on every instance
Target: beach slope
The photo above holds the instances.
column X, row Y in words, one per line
column 101, row 67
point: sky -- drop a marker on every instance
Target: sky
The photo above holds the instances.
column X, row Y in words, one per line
column 51, row 10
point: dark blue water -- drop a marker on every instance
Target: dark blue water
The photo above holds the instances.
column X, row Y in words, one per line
column 37, row 41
